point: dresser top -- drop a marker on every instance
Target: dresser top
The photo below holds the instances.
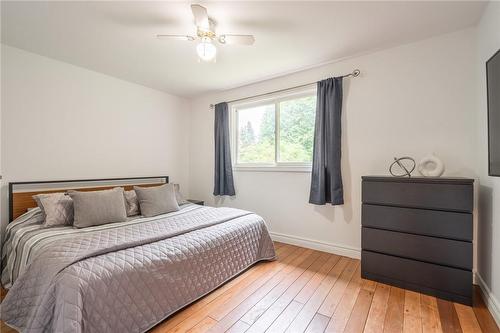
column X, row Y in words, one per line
column 419, row 179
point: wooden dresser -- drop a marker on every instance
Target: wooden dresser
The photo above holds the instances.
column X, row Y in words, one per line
column 417, row 234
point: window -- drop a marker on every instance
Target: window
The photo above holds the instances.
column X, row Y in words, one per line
column 275, row 133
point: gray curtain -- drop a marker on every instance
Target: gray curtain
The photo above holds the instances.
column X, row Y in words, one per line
column 326, row 178
column 223, row 182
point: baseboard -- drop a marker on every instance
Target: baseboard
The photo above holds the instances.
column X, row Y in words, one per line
column 491, row 302
column 342, row 250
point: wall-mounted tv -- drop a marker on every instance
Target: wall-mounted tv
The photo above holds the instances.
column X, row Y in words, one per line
column 493, row 89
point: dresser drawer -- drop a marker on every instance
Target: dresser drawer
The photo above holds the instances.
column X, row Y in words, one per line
column 445, row 282
column 443, row 196
column 430, row 249
column 419, row 221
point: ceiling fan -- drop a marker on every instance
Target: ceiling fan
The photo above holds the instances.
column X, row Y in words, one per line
column 205, row 32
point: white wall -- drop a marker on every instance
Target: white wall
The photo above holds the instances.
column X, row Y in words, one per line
column 410, row 100
column 488, row 33
column 60, row 121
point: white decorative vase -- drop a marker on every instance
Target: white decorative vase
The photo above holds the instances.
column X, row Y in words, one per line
column 431, row 166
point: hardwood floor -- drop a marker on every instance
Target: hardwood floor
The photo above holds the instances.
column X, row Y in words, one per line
column 312, row 291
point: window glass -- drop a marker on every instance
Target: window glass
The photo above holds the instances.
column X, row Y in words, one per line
column 276, row 132
column 296, row 136
column 256, row 134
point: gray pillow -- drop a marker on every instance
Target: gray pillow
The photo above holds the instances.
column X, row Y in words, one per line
column 131, row 203
column 157, row 200
column 57, row 208
column 98, row 207
column 178, row 195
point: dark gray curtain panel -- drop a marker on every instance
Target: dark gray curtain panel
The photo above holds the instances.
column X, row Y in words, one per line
column 223, row 183
column 326, row 177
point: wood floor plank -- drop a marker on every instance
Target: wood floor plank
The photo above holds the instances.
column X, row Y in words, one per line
column 6, row 329
column 3, row 293
column 333, row 298
column 283, row 253
column 368, row 285
column 305, row 316
column 359, row 314
column 483, row 316
column 253, row 314
column 393, row 322
column 286, row 317
column 260, row 288
column 316, row 280
column 345, row 307
column 317, row 324
column 241, row 290
column 448, row 317
column 277, row 245
column 378, row 309
column 297, row 266
column 203, row 325
column 274, row 311
column 430, row 314
column 239, row 327
column 412, row 320
column 467, row 318
column 302, row 261
column 274, row 288
column 262, row 317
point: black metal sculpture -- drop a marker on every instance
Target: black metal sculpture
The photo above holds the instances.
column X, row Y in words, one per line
column 405, row 170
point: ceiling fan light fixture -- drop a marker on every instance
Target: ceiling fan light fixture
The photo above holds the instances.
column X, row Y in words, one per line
column 205, row 33
column 206, row 49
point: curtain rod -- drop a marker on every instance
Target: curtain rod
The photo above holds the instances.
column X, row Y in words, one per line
column 355, row 73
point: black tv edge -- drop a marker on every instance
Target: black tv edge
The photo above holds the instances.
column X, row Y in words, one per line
column 493, row 93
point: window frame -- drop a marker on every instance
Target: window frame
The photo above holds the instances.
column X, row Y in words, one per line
column 275, row 99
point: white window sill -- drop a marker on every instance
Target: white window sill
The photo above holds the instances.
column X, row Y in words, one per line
column 303, row 169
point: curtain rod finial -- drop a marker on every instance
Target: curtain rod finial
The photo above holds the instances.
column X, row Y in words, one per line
column 356, row 73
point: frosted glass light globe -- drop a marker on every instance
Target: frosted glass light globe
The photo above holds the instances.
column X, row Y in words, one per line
column 206, row 50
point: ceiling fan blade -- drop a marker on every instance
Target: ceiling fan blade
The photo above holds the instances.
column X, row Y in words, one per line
column 178, row 37
column 237, row 39
column 200, row 16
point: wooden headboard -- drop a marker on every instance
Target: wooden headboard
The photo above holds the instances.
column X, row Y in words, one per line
column 21, row 193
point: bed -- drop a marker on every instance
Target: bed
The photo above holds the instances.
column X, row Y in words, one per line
column 120, row 277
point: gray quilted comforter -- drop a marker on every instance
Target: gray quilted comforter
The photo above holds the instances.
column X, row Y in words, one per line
column 129, row 278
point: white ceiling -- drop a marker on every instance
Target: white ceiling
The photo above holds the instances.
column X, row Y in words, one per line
column 118, row 38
